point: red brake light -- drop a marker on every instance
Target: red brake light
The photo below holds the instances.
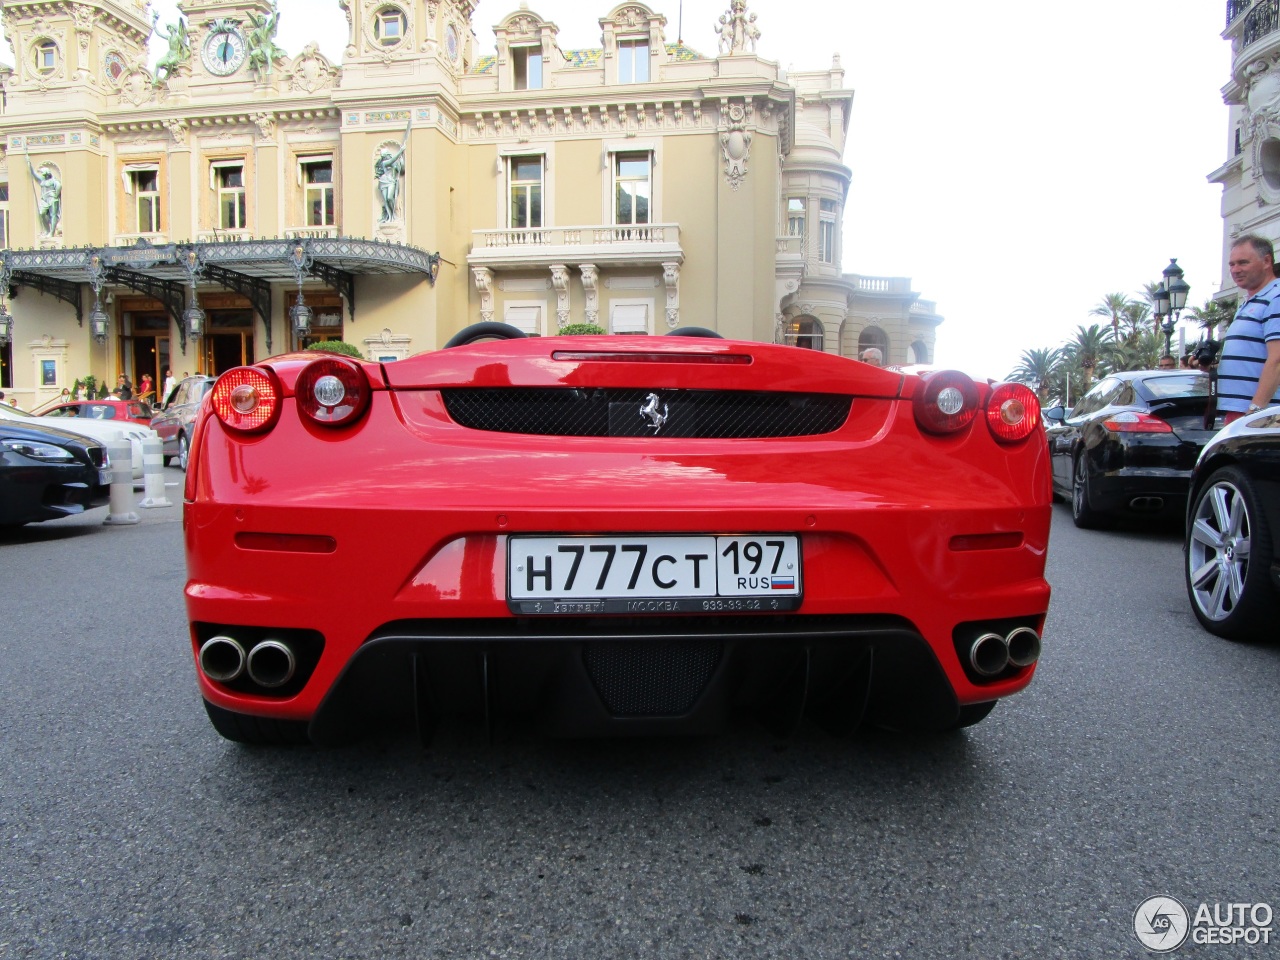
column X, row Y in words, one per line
column 1013, row 412
column 1131, row 421
column 947, row 403
column 332, row 391
column 246, row 399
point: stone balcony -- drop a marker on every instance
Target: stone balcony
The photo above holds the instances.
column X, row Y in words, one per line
column 645, row 245
column 880, row 286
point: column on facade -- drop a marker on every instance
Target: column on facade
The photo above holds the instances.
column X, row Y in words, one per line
column 671, row 277
column 591, row 289
column 560, row 280
column 484, row 286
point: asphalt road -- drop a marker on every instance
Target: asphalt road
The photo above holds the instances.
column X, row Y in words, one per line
column 1141, row 761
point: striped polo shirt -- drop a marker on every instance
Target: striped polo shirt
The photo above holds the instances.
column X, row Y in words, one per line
column 1244, row 349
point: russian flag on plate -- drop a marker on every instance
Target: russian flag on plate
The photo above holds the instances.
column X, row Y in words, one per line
column 782, row 583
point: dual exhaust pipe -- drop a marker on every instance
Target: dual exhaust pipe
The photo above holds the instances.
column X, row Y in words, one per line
column 269, row 663
column 991, row 653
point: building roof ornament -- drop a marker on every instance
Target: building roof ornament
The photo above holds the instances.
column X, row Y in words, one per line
column 737, row 29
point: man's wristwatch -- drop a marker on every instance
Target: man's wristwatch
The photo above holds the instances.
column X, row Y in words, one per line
column 1254, row 408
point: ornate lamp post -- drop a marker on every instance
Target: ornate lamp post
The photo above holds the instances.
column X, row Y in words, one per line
column 1171, row 298
column 98, row 319
column 300, row 315
column 6, row 318
column 193, row 317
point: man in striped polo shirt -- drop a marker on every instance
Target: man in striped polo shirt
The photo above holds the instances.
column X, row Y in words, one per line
column 1249, row 370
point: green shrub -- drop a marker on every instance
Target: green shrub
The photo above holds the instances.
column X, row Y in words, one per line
column 338, row 346
column 580, row 329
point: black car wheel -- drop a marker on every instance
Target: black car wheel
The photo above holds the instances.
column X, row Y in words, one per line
column 485, row 330
column 183, row 452
column 1228, row 557
column 1084, row 515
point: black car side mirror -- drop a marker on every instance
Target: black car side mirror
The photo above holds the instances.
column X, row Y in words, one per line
column 1055, row 414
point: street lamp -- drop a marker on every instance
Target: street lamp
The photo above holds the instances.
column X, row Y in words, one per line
column 98, row 318
column 6, row 324
column 1170, row 299
column 193, row 319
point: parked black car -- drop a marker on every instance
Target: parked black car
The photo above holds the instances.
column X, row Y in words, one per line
column 1128, row 447
column 176, row 418
column 1233, row 517
column 48, row 473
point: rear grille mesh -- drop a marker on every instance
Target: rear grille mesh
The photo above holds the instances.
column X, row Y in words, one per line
column 651, row 679
column 600, row 412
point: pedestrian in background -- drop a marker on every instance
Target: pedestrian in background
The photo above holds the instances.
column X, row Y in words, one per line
column 873, row 356
column 1249, row 369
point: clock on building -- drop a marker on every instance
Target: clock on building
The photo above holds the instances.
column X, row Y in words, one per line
column 223, row 51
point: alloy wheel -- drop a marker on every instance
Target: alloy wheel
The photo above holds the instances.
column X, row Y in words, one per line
column 1218, row 550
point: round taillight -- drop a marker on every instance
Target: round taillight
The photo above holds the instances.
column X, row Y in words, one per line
column 332, row 391
column 1013, row 412
column 946, row 403
column 246, row 399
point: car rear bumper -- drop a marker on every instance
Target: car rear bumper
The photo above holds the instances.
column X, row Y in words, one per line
column 421, row 627
column 1147, row 491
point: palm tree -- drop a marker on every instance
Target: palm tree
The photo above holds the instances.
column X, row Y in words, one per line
column 1112, row 305
column 1090, row 347
column 1141, row 353
column 1136, row 315
column 1037, row 369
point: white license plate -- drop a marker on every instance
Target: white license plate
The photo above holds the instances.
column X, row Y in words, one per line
column 654, row 573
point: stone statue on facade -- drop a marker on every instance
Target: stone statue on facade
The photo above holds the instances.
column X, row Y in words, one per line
column 50, row 203
column 179, row 51
column 261, row 40
column 387, row 169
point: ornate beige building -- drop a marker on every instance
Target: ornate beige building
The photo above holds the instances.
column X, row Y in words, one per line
column 237, row 200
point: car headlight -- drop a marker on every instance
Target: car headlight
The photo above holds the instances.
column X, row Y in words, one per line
column 38, row 451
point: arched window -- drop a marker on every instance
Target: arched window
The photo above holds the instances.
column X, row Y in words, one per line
column 919, row 352
column 804, row 332
column 874, row 337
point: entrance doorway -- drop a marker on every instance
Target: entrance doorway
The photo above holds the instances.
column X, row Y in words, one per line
column 144, row 344
column 228, row 336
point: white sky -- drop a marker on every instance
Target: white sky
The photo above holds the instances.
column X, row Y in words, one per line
column 1017, row 160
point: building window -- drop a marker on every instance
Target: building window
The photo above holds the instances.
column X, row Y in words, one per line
column 317, row 176
column 632, row 175
column 145, row 186
column 874, row 338
column 231, row 196
column 4, row 216
column 525, row 316
column 804, row 332
column 633, row 61
column 795, row 217
column 629, row 317
column 46, row 57
column 389, row 26
column 827, row 232
column 526, row 192
column 526, row 62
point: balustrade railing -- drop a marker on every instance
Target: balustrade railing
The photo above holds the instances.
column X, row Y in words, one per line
column 1235, row 8
column 602, row 235
column 1262, row 19
column 301, row 233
